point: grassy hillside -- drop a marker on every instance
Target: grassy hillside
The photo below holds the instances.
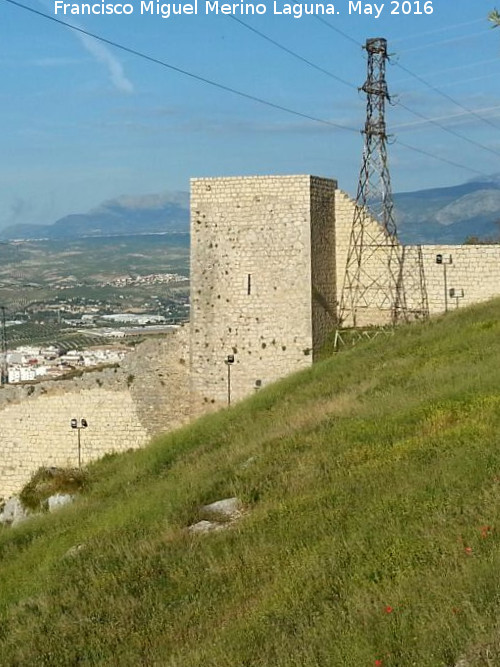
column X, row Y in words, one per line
column 372, row 537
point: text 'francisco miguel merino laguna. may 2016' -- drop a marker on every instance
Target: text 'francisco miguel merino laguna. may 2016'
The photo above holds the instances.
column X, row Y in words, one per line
column 277, row 7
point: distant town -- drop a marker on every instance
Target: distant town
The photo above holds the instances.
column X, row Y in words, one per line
column 71, row 305
column 91, row 318
column 29, row 363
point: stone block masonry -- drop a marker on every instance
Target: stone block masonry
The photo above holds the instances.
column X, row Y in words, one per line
column 124, row 406
column 267, row 269
column 475, row 269
column 262, row 280
column 37, row 432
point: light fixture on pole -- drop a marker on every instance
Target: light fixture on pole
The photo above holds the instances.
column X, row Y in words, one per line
column 229, row 361
column 4, row 369
column 456, row 294
column 445, row 260
column 78, row 426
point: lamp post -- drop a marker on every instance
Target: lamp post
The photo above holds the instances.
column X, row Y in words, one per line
column 445, row 260
column 229, row 361
column 78, row 426
column 4, row 369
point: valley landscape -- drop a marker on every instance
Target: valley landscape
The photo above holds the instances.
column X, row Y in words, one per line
column 47, row 286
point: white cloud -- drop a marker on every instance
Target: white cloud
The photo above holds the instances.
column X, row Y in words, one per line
column 103, row 55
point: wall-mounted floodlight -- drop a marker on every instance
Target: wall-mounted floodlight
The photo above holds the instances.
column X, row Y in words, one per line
column 456, row 294
column 78, row 426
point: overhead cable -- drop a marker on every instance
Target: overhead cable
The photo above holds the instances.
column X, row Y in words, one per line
column 415, row 76
column 445, row 95
column 292, row 53
column 185, row 72
column 224, row 87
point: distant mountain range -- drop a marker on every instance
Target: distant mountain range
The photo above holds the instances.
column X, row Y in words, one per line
column 450, row 215
column 148, row 214
column 439, row 215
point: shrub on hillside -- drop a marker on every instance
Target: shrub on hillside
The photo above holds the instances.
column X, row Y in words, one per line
column 47, row 482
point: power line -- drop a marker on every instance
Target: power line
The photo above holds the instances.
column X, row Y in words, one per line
column 440, row 158
column 401, row 143
column 351, row 85
column 432, row 32
column 461, row 67
column 179, row 70
column 450, row 84
column 293, row 53
column 445, row 95
column 228, row 89
column 453, row 40
column 449, row 130
column 454, row 116
column 415, row 76
column 337, row 30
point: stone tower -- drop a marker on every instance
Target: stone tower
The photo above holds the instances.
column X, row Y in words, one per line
column 263, row 280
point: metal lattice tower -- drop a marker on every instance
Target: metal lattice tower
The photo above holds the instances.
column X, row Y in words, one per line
column 373, row 281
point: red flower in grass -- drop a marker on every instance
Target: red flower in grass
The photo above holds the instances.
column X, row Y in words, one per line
column 378, row 663
column 389, row 609
column 485, row 531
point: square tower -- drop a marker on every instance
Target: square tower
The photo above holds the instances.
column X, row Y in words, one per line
column 263, row 286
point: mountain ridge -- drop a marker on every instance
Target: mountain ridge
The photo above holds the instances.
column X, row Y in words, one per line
column 448, row 214
column 150, row 213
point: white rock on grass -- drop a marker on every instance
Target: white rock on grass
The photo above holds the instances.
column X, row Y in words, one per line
column 59, row 500
column 229, row 508
column 223, row 514
column 13, row 512
column 205, row 527
column 246, row 464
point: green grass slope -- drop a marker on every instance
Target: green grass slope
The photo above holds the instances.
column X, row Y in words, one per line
column 372, row 533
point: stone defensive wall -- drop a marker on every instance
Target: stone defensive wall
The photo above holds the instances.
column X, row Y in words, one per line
column 268, row 257
column 124, row 406
column 466, row 274
column 268, row 263
column 474, row 269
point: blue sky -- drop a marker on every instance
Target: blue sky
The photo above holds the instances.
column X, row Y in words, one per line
column 84, row 122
